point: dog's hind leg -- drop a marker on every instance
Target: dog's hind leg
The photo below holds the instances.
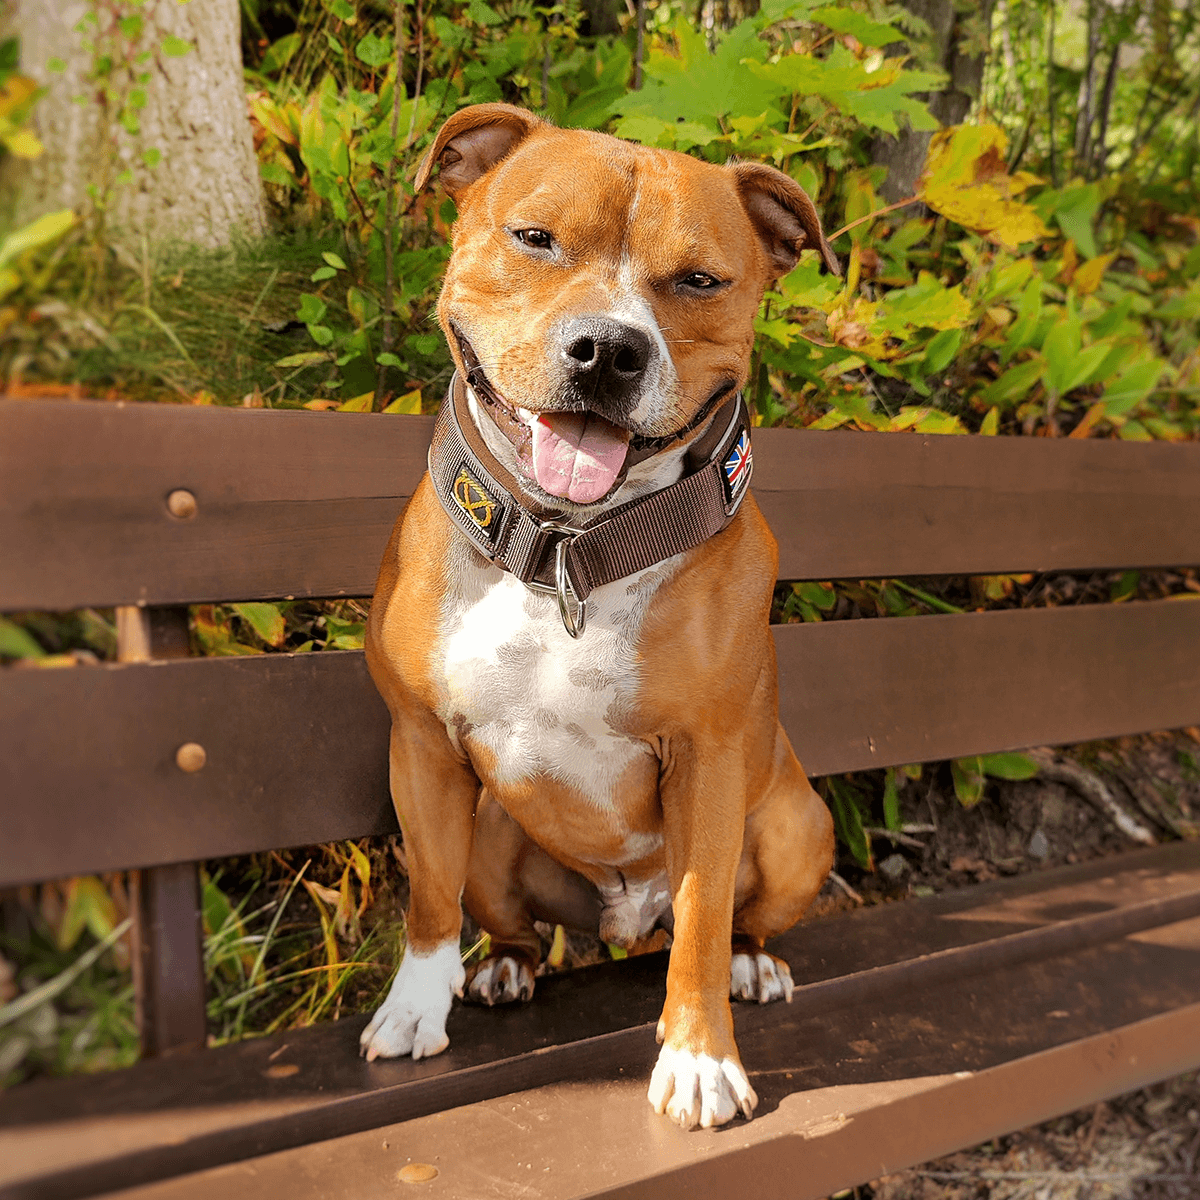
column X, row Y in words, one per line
column 512, row 882
column 786, row 854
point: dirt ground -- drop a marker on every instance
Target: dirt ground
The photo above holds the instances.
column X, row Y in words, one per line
column 1142, row 1146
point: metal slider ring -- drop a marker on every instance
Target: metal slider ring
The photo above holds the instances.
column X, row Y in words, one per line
column 562, row 585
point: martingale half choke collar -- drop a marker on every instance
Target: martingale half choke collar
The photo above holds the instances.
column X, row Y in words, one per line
column 549, row 554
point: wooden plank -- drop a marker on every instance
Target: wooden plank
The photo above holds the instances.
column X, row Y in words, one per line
column 296, row 744
column 300, row 504
column 296, row 753
column 160, row 1119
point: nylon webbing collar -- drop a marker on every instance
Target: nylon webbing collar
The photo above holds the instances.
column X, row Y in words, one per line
column 548, row 553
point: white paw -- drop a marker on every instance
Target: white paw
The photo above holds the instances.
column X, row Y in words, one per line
column 413, row 1017
column 760, row 977
column 501, row 980
column 697, row 1089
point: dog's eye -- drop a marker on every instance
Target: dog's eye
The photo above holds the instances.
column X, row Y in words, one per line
column 701, row 280
column 539, row 239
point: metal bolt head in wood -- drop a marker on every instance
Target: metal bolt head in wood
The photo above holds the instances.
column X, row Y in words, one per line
column 191, row 757
column 181, row 504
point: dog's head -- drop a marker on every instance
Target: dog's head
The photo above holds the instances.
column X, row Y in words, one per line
column 606, row 290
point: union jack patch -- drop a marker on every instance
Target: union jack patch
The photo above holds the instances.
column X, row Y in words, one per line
column 476, row 501
column 738, row 464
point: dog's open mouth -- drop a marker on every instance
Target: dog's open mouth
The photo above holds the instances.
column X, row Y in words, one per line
column 576, row 456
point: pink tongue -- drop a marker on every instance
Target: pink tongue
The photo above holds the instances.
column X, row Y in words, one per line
column 577, row 455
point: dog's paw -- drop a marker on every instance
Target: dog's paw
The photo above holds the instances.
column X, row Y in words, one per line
column 501, row 980
column 760, row 976
column 697, row 1089
column 413, row 1017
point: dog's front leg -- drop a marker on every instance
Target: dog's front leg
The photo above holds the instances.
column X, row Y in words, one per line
column 699, row 1079
column 435, row 794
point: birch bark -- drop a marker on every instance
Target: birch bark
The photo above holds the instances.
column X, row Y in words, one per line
column 205, row 184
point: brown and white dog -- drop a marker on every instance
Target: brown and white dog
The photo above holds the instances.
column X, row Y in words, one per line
column 637, row 775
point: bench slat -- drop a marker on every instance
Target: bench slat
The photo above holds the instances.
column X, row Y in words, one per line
column 300, row 504
column 994, row 959
column 297, row 744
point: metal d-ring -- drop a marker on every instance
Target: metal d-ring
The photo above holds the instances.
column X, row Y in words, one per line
column 562, row 585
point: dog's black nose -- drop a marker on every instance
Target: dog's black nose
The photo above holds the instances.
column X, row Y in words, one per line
column 604, row 355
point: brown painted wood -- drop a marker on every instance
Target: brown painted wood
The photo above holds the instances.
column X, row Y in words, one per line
column 300, row 504
column 297, row 744
column 296, row 754
column 168, row 959
column 168, row 952
column 597, row 1024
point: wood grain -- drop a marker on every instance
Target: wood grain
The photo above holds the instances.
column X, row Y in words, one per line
column 297, row 744
column 300, row 504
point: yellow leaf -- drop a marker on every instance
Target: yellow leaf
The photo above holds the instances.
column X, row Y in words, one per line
column 409, row 404
column 321, row 405
column 966, row 180
column 1091, row 417
column 991, row 423
column 358, row 403
column 1087, row 278
column 23, row 144
column 16, row 90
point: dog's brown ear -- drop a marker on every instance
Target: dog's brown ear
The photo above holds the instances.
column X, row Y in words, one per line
column 786, row 219
column 472, row 141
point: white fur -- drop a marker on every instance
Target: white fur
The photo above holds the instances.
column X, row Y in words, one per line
column 760, row 977
column 413, row 1017
column 697, row 1089
column 539, row 701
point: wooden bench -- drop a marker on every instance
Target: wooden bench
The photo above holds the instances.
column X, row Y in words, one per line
column 919, row 1027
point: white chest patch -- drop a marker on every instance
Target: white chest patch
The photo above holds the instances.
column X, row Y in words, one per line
column 539, row 701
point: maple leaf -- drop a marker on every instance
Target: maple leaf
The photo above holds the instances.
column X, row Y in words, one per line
column 966, row 180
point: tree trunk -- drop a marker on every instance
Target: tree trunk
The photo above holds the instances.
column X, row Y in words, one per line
column 189, row 172
column 904, row 156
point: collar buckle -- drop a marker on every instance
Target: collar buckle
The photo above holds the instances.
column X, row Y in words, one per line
column 573, row 624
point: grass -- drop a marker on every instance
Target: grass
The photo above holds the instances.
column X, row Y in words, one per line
column 180, row 324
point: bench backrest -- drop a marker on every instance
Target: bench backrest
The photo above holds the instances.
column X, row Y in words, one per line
column 292, row 504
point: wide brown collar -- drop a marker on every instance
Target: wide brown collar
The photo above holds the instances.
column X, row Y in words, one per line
column 550, row 551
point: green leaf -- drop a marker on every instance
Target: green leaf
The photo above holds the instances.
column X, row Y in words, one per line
column 388, row 359
column 56, row 65
column 152, row 156
column 374, row 51
column 891, row 800
column 483, row 14
column 131, row 26
column 265, row 619
column 847, row 820
column 941, row 350
column 36, row 234
column 1014, row 383
column 1060, row 350
column 309, row 358
column 16, row 642
column 967, row 774
column 857, row 25
column 1075, row 213
column 280, row 53
column 321, row 334
column 322, row 273
column 274, row 172
column 312, row 308
column 343, row 10
column 1121, row 396
column 174, row 47
column 334, row 260
column 1008, row 766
